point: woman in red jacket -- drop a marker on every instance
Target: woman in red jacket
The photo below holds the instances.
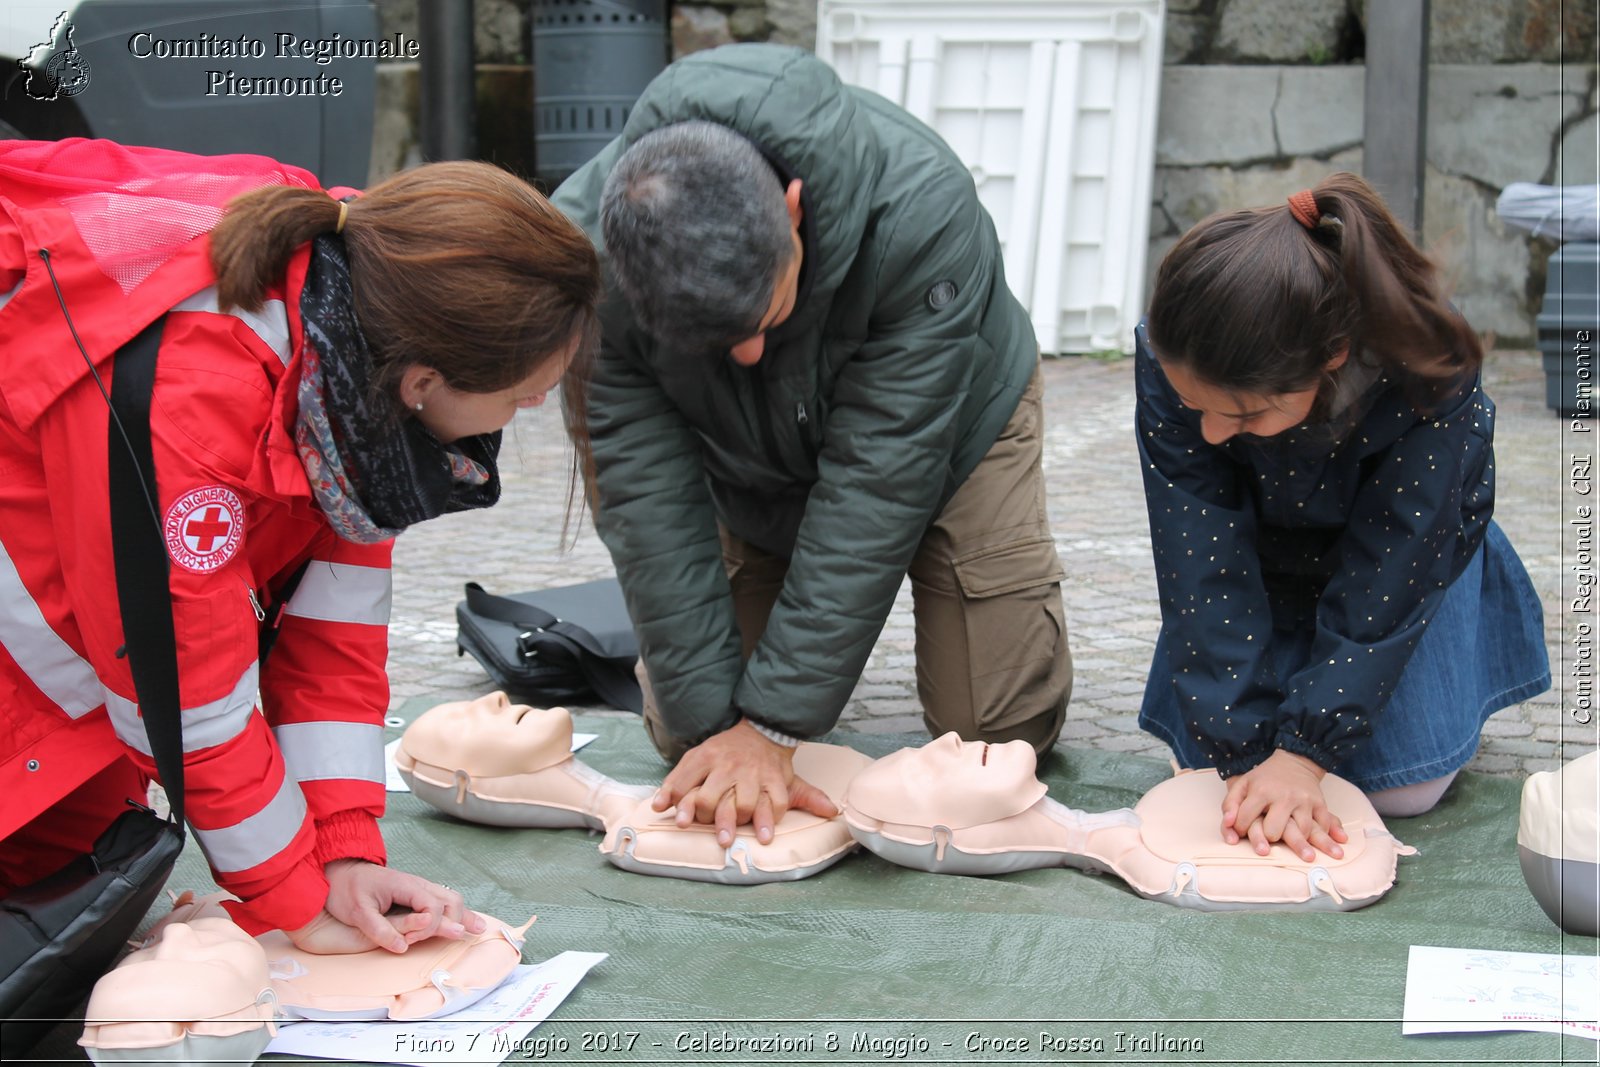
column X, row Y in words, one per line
column 329, row 372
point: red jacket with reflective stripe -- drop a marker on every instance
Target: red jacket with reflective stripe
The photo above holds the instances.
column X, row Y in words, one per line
column 278, row 788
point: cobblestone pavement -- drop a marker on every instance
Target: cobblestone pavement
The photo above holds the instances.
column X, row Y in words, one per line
column 1097, row 512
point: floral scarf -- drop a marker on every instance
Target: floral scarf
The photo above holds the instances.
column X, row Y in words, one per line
column 372, row 471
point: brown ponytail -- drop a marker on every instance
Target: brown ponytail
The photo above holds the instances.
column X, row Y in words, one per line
column 251, row 246
column 1259, row 302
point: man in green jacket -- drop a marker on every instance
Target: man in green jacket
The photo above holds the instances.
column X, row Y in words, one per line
column 812, row 382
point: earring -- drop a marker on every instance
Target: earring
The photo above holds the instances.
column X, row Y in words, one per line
column 419, row 405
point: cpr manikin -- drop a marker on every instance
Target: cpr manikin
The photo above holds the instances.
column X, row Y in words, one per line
column 214, row 970
column 230, row 987
column 965, row 807
column 1558, row 843
column 491, row 761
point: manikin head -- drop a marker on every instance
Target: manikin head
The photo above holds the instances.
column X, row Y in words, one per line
column 223, row 968
column 1558, row 843
column 949, row 782
column 201, row 993
column 490, row 737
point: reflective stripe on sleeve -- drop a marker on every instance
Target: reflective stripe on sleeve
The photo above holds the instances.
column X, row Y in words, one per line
column 343, row 592
column 317, row 751
column 257, row 839
column 203, row 726
column 49, row 662
column 271, row 323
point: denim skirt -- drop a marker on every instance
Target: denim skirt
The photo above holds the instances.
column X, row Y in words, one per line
column 1484, row 650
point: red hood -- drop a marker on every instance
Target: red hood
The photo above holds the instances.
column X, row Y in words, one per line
column 126, row 230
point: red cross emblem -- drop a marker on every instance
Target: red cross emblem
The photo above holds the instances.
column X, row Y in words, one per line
column 202, row 533
column 204, row 528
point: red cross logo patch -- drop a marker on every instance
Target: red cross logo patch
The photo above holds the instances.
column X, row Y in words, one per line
column 204, row 528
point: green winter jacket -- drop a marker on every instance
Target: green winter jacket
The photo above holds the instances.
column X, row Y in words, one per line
column 903, row 359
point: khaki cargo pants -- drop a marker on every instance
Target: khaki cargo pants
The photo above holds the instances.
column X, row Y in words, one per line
column 991, row 636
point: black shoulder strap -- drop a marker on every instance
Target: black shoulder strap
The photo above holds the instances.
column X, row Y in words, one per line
column 504, row 609
column 140, row 554
column 273, row 624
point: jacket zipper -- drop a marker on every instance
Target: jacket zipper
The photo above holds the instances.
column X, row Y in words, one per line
column 769, row 439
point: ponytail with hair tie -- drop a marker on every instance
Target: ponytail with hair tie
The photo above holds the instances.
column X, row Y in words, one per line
column 1247, row 303
column 260, row 231
column 1303, row 206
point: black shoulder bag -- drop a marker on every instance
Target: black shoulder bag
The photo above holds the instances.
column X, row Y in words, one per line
column 60, row 934
column 554, row 645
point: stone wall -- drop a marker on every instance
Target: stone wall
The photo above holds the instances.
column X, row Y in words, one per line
column 1259, row 98
column 1334, row 31
column 1236, row 136
column 1264, row 97
column 700, row 24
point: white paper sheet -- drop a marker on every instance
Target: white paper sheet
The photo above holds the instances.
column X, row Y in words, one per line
column 487, row 1032
column 396, row 784
column 1461, row 990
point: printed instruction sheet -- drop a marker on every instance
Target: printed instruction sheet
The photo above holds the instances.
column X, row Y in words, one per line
column 1462, row 990
column 487, row 1032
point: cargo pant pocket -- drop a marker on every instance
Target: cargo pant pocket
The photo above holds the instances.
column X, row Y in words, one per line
column 1018, row 663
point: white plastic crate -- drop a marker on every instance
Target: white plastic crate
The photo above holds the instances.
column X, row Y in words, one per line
column 1052, row 105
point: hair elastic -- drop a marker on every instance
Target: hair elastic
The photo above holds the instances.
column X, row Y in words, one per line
column 344, row 213
column 1303, row 206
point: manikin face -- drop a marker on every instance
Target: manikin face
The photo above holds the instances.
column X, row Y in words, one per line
column 209, row 967
column 490, row 737
column 949, row 782
column 978, row 766
column 217, row 944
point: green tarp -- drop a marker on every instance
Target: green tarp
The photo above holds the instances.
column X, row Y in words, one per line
column 892, row 965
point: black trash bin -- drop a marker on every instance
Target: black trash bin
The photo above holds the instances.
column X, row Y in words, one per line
column 1568, row 322
column 591, row 60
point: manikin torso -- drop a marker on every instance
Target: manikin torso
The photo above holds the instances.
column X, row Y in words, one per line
column 504, row 764
column 226, row 988
column 966, row 807
column 950, row 806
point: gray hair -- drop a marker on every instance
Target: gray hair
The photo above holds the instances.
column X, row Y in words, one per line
column 696, row 230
